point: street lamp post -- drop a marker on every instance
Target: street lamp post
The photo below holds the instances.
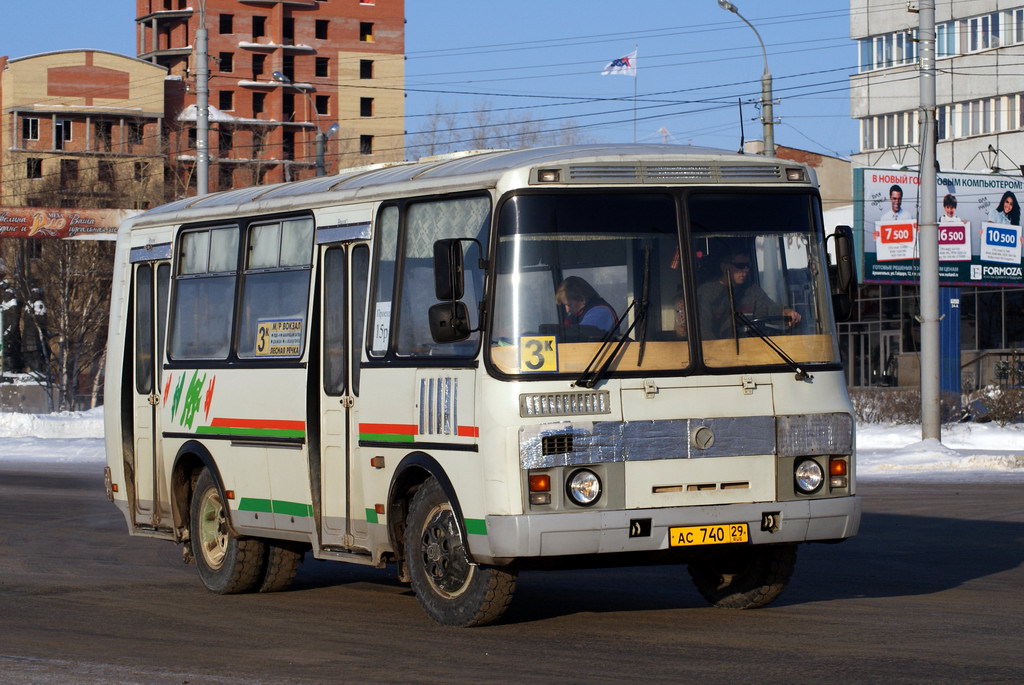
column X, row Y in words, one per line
column 321, row 136
column 767, row 113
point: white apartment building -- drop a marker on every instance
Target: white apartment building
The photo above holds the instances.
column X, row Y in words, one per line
column 980, row 126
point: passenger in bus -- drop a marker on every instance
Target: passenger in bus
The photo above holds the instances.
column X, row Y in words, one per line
column 681, row 328
column 716, row 319
column 582, row 306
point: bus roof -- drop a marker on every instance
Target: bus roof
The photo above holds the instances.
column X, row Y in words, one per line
column 620, row 163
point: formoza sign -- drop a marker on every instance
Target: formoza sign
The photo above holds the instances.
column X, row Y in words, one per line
column 979, row 231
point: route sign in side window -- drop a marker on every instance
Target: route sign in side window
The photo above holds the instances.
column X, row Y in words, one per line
column 384, row 283
column 272, row 322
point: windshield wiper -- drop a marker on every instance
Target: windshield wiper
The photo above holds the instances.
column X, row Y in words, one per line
column 801, row 375
column 588, row 379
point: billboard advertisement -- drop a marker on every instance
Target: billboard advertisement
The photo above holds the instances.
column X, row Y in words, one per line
column 979, row 227
column 74, row 224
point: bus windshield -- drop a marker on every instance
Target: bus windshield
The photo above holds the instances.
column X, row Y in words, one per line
column 578, row 273
column 760, row 265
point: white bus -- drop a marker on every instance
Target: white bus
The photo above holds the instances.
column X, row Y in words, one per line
column 478, row 364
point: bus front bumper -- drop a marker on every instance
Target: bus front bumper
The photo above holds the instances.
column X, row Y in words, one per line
column 618, row 531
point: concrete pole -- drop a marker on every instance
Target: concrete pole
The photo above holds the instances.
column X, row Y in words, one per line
column 321, row 147
column 928, row 232
column 202, row 105
column 767, row 111
column 767, row 106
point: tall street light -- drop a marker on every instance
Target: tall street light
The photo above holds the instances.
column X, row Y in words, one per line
column 321, row 136
column 767, row 114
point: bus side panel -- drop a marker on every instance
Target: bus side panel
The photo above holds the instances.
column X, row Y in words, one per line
column 429, row 411
column 252, row 421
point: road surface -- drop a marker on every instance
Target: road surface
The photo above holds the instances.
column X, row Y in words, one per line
column 932, row 590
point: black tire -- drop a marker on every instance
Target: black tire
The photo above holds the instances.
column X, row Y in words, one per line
column 282, row 564
column 452, row 591
column 744, row 577
column 227, row 565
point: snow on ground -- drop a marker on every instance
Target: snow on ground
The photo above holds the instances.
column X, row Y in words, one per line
column 968, row 451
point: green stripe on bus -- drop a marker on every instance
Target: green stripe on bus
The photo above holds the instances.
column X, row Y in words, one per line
column 263, row 506
column 371, row 516
column 476, row 526
column 251, row 432
column 275, row 506
column 386, row 437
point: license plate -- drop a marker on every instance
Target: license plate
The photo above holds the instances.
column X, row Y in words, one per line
column 692, row 536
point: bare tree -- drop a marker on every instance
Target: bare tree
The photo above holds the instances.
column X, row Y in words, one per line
column 483, row 128
column 66, row 296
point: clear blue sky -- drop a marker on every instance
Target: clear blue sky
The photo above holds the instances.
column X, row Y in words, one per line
column 544, row 58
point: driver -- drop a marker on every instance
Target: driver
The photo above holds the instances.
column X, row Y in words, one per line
column 747, row 297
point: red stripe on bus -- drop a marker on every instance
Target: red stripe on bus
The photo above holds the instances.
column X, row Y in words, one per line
column 388, row 428
column 469, row 431
column 259, row 423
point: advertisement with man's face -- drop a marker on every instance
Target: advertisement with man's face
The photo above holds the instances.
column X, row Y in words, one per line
column 979, row 227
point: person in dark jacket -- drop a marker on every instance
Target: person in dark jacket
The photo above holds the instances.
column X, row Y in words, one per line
column 582, row 306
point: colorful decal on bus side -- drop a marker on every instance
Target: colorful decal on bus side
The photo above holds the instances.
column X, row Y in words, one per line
column 261, row 428
column 402, row 432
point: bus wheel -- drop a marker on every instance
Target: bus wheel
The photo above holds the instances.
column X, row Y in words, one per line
column 744, row 577
column 450, row 589
column 283, row 561
column 226, row 564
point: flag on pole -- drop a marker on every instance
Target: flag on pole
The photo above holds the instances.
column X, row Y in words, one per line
column 624, row 66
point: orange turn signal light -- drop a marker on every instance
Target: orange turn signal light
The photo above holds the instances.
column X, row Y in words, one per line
column 113, row 487
column 837, row 466
column 540, row 482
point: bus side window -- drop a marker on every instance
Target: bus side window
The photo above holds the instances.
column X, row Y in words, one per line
column 334, row 321
column 204, row 294
column 360, row 278
column 144, row 329
column 275, row 289
column 384, row 284
column 426, row 223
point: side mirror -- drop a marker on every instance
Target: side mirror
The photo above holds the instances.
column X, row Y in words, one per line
column 842, row 273
column 448, row 270
column 449, row 322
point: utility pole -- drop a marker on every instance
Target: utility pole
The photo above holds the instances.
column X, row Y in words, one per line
column 928, row 232
column 202, row 105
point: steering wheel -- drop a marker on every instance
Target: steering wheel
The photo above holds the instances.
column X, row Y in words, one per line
column 773, row 324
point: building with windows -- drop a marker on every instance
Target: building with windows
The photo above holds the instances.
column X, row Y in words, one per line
column 980, row 127
column 81, row 128
column 280, row 71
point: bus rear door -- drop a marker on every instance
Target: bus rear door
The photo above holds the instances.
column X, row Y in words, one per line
column 151, row 507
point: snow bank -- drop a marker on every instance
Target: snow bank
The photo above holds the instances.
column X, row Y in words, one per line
column 69, row 424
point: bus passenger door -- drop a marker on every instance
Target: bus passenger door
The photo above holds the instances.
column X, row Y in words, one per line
column 152, row 504
column 344, row 283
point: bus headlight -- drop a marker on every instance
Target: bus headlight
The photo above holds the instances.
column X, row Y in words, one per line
column 584, row 487
column 808, row 476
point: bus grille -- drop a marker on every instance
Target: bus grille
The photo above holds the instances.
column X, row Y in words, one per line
column 556, row 444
